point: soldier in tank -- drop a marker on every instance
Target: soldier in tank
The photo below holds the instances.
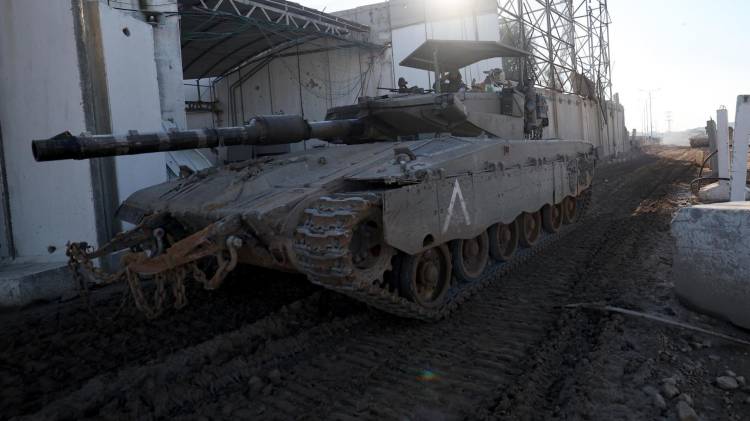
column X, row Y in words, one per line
column 495, row 80
column 403, row 86
column 452, row 82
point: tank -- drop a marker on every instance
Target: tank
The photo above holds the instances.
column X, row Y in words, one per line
column 420, row 199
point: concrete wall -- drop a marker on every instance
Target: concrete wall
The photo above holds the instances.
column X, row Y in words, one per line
column 200, row 120
column 572, row 117
column 133, row 94
column 308, row 84
column 40, row 96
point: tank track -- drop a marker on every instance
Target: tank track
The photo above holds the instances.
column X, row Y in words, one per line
column 322, row 249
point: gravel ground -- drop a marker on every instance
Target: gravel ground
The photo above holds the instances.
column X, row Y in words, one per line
column 270, row 346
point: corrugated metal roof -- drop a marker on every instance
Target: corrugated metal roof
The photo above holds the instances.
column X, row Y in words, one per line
column 220, row 35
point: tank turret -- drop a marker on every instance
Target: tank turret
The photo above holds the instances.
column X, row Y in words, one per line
column 513, row 112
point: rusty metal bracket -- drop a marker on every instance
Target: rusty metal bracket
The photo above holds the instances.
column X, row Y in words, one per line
column 210, row 241
column 139, row 234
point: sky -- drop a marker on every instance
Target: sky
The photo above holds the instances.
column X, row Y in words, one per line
column 692, row 55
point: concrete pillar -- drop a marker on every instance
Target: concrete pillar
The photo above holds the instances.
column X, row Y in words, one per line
column 739, row 155
column 168, row 54
column 713, row 162
column 722, row 143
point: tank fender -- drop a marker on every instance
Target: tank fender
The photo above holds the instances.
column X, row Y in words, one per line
column 419, row 216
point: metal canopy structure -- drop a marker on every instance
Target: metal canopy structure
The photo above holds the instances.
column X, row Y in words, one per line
column 568, row 41
column 454, row 54
column 219, row 36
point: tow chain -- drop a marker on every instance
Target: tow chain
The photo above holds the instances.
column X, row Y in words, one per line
column 77, row 259
column 166, row 267
column 82, row 267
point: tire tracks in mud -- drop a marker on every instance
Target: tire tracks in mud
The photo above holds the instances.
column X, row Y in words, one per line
column 553, row 388
column 153, row 389
column 371, row 365
column 297, row 363
column 49, row 351
column 445, row 370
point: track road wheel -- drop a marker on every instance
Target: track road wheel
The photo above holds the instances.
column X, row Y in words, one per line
column 426, row 277
column 552, row 218
column 470, row 257
column 570, row 209
column 503, row 241
column 531, row 228
column 370, row 255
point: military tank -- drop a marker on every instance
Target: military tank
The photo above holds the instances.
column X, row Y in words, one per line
column 420, row 199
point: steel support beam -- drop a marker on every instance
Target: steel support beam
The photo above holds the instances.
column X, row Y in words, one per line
column 289, row 14
column 568, row 39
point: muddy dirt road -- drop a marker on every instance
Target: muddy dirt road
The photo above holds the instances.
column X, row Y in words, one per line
column 271, row 346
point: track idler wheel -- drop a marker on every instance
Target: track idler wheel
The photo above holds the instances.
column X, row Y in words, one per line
column 425, row 278
column 503, row 241
column 470, row 257
column 570, row 210
column 531, row 228
column 552, row 216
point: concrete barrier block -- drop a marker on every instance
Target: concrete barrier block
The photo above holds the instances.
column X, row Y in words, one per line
column 712, row 259
column 717, row 192
column 24, row 283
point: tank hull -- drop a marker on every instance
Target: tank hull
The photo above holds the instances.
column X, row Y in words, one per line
column 428, row 192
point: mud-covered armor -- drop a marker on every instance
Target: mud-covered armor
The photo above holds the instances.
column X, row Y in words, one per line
column 412, row 227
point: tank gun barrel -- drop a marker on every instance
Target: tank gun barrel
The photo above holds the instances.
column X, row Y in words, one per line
column 262, row 130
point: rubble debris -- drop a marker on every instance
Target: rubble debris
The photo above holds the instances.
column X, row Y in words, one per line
column 685, row 412
column 670, row 390
column 727, row 382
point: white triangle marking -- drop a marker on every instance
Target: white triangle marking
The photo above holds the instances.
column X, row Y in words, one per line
column 456, row 194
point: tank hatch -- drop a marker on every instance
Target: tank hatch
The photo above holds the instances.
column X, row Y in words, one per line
column 412, row 162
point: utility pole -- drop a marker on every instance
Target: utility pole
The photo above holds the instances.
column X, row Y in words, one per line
column 651, row 115
column 669, row 122
column 650, row 105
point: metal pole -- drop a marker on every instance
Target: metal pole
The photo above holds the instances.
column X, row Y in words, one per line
column 651, row 115
column 551, row 54
column 522, row 35
column 436, row 63
column 604, row 45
